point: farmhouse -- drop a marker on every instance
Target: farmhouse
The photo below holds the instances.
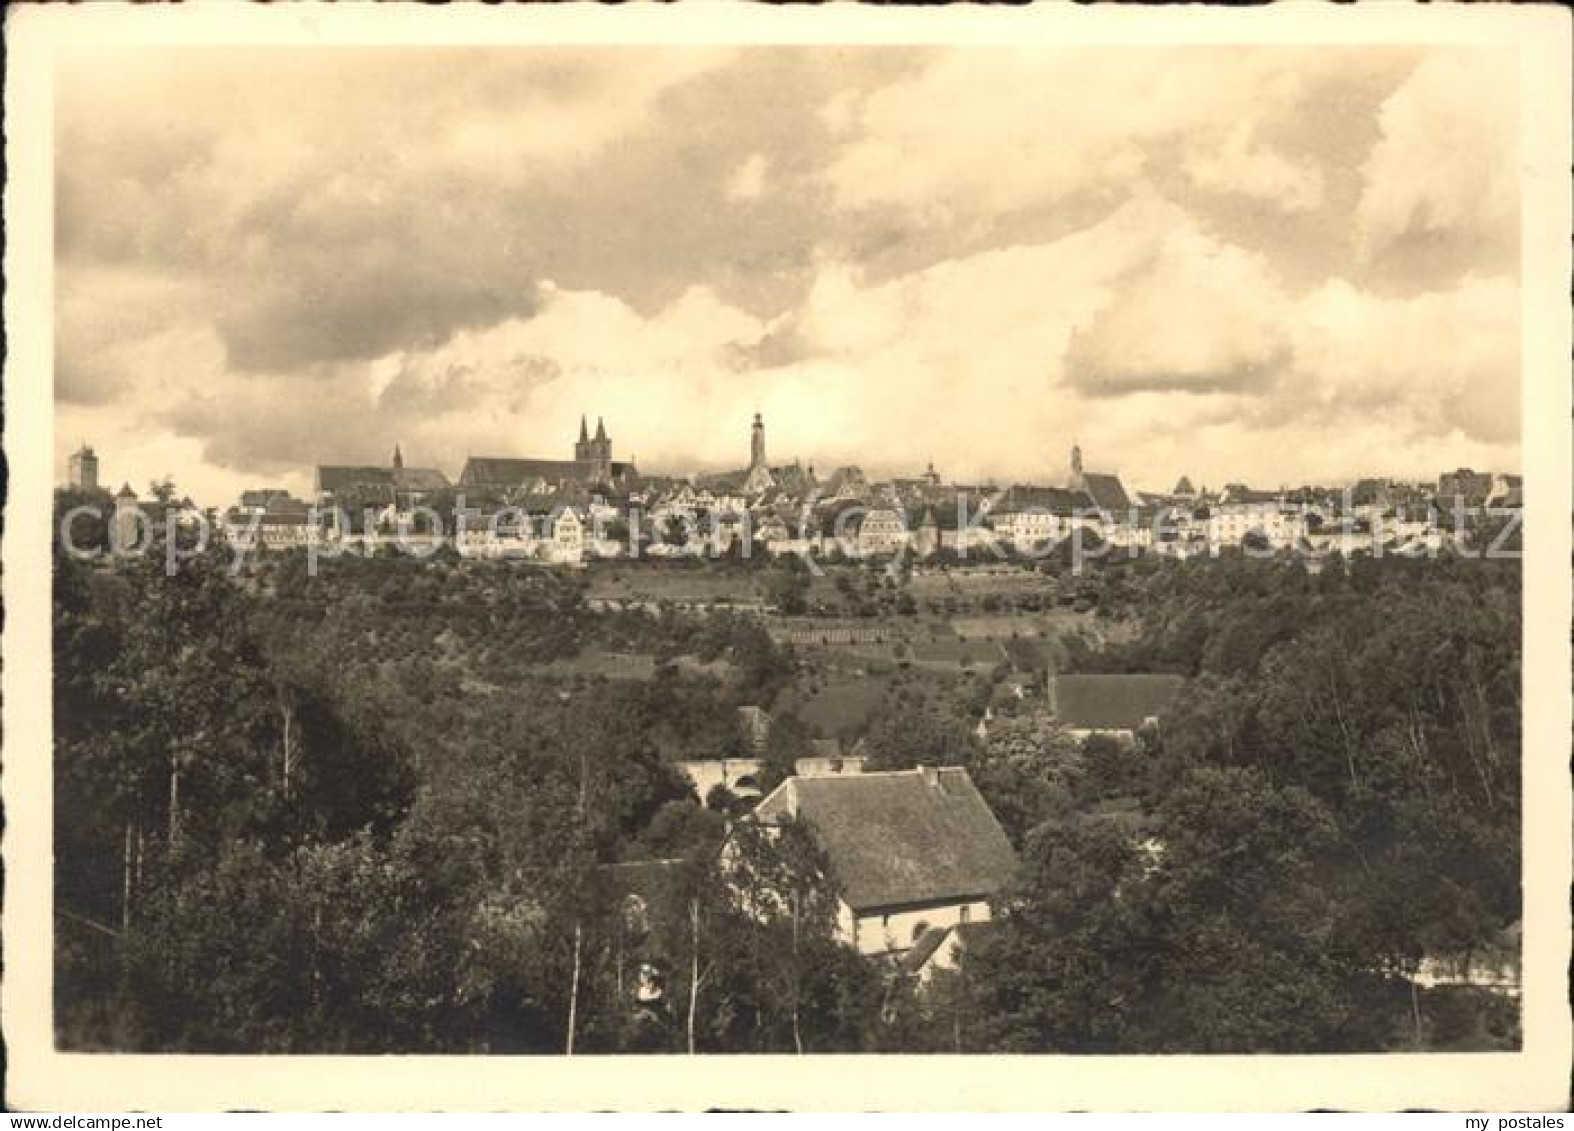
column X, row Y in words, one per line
column 911, row 850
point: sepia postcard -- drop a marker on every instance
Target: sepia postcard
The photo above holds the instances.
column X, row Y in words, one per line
column 567, row 558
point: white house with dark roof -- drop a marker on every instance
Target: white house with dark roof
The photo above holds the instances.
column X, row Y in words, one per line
column 271, row 519
column 565, row 541
column 877, row 531
column 910, row 850
column 1281, row 525
column 1029, row 517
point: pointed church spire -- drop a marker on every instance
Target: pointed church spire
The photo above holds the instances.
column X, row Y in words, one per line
column 584, row 433
column 398, row 457
column 601, row 429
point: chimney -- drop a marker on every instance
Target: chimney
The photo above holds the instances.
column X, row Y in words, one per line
column 931, row 776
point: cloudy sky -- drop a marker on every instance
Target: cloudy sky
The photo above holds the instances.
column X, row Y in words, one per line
column 1256, row 264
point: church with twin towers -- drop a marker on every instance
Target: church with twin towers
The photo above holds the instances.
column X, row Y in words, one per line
column 594, row 468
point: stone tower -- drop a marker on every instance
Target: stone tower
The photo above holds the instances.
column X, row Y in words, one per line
column 84, row 469
column 759, row 477
column 757, row 444
column 126, row 532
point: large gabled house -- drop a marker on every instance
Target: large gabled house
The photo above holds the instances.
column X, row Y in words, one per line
column 1032, row 516
column 910, row 850
column 271, row 519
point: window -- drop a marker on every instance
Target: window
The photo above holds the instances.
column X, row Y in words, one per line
column 636, row 920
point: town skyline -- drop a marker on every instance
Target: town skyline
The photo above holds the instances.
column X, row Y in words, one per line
column 1289, row 261
column 300, row 482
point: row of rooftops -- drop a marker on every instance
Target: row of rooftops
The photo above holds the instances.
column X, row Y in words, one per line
column 943, row 508
column 525, row 481
column 783, row 517
column 545, row 485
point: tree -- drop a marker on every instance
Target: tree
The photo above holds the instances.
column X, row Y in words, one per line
column 675, row 531
column 788, row 741
column 162, row 490
column 787, row 587
column 902, row 740
column 1028, row 770
column 783, row 885
column 1067, row 967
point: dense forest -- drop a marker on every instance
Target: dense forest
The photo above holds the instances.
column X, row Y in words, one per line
column 347, row 813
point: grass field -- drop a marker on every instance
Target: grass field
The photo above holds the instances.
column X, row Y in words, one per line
column 839, row 706
column 650, row 582
column 962, row 653
column 842, row 695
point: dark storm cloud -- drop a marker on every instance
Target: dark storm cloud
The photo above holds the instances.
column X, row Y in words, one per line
column 293, row 256
column 360, row 302
column 352, row 230
column 1098, row 384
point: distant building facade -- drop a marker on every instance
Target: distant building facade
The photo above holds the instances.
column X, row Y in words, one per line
column 395, row 484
